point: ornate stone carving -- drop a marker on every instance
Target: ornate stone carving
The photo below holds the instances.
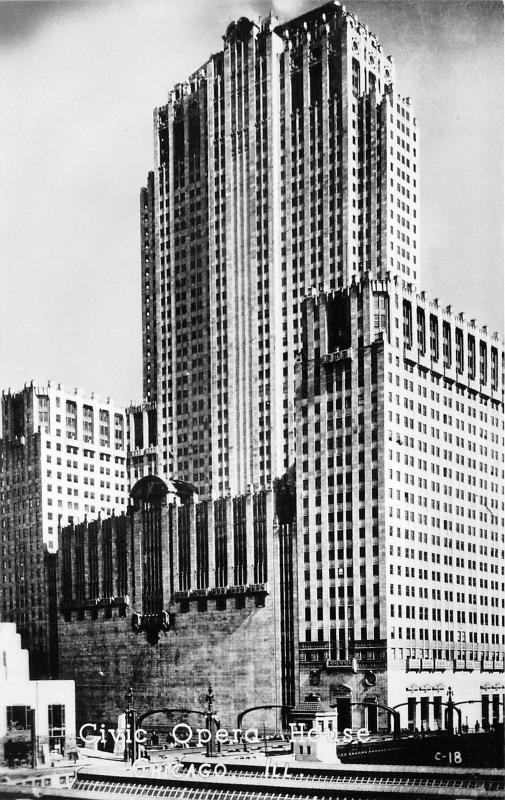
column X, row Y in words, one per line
column 241, row 30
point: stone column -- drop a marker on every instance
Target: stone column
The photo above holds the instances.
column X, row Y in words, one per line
column 249, row 517
column 99, row 548
column 272, row 534
column 85, row 549
column 175, row 545
column 417, row 714
column 230, row 579
column 431, row 716
column 192, row 544
column 137, row 559
column 72, row 562
column 113, row 533
column 211, row 538
column 165, row 553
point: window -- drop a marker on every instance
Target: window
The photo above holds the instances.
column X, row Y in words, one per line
column 494, row 368
column 483, row 362
column 104, row 428
column 56, row 727
column 434, row 337
column 119, row 428
column 459, row 350
column 421, row 331
column 446, row 344
column 355, row 77
column 87, row 424
column 18, row 718
column 381, row 313
column 471, row 357
column 407, row 323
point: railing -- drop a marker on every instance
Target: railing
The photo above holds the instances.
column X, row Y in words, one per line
column 221, row 591
column 337, row 355
column 151, row 622
column 338, row 663
column 352, row 777
column 95, row 602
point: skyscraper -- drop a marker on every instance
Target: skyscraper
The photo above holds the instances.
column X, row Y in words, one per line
column 400, row 504
column 287, row 334
column 285, row 162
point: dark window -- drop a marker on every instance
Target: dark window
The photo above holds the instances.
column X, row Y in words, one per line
column 459, row 350
column 297, row 90
column 483, row 362
column 56, row 720
column 421, row 331
column 494, row 368
column 338, row 320
column 471, row 357
column 179, row 140
column 407, row 322
column 18, row 718
column 434, row 337
column 446, row 343
column 138, row 425
column 355, row 77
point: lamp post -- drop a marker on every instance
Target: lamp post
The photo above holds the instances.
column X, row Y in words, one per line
column 131, row 725
column 209, row 719
column 450, row 711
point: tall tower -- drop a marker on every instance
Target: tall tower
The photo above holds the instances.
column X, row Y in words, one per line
column 148, row 256
column 285, row 163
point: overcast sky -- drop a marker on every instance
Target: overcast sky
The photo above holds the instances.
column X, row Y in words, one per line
column 79, row 82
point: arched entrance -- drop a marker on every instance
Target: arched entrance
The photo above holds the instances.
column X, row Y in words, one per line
column 340, row 698
column 284, row 709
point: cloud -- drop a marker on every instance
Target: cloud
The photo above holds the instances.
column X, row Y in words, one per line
column 21, row 20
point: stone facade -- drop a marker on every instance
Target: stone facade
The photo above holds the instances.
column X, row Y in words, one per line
column 400, row 510
column 287, row 161
column 174, row 596
column 232, row 648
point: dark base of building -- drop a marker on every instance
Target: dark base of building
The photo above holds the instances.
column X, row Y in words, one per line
column 228, row 645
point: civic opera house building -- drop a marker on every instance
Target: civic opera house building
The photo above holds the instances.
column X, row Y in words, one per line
column 329, row 504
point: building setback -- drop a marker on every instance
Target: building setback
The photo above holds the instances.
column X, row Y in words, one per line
column 285, row 162
column 178, row 593
column 142, row 426
column 400, row 476
column 62, row 456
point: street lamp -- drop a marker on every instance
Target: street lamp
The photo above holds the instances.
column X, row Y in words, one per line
column 450, row 711
column 131, row 726
column 210, row 718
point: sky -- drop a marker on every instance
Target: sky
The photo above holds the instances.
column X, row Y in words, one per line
column 79, row 83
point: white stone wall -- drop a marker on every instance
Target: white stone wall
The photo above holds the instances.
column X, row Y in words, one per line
column 16, row 688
